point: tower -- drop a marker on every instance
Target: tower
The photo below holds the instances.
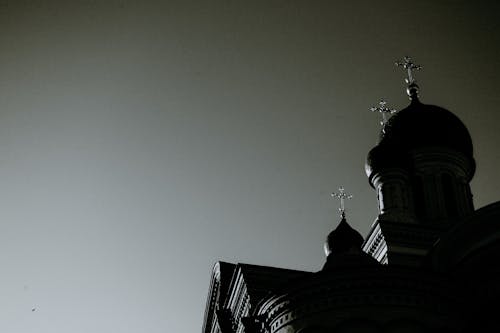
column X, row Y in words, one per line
column 420, row 170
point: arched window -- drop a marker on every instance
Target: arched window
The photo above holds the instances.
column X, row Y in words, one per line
column 419, row 199
column 449, row 195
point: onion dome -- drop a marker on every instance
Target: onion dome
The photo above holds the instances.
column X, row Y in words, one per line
column 417, row 127
column 343, row 239
column 420, row 125
column 343, row 248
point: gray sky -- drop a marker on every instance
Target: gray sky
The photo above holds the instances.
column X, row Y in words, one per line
column 140, row 141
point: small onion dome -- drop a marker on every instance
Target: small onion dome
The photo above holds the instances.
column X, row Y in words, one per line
column 343, row 249
column 343, row 239
column 415, row 127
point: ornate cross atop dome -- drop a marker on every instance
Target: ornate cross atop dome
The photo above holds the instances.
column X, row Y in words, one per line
column 384, row 110
column 342, row 196
column 410, row 66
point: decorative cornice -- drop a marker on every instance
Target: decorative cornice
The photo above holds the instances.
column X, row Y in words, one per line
column 378, row 288
column 403, row 238
column 249, row 284
column 218, row 284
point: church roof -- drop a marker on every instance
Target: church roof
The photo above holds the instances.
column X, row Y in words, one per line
column 422, row 125
column 257, row 281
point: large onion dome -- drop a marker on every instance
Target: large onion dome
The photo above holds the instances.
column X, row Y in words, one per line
column 419, row 126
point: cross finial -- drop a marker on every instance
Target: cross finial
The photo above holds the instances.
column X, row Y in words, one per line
column 342, row 196
column 410, row 66
column 384, row 110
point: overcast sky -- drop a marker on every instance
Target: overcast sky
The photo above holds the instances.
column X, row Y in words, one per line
column 140, row 142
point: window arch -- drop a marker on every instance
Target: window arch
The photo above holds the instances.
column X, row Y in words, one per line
column 419, row 196
column 449, row 194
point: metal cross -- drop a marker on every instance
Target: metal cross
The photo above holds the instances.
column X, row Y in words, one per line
column 409, row 65
column 384, row 110
column 342, row 196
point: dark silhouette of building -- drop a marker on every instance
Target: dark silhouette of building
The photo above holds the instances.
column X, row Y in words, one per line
column 430, row 263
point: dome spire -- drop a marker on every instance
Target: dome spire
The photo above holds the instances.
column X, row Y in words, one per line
column 412, row 88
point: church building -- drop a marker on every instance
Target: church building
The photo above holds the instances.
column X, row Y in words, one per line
column 430, row 263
